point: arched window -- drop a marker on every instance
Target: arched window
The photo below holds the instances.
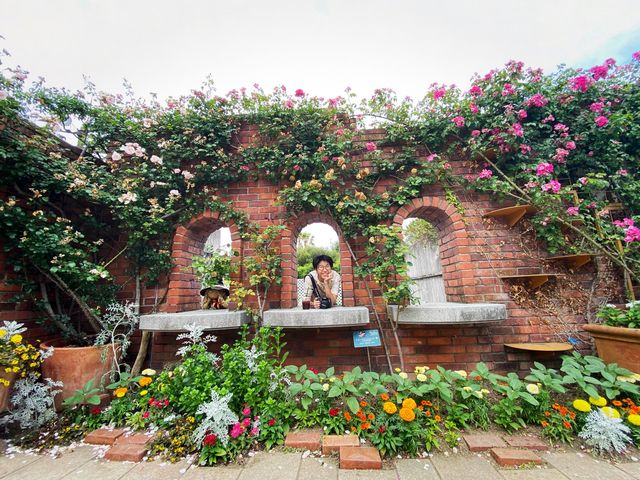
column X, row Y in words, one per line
column 316, row 239
column 422, row 238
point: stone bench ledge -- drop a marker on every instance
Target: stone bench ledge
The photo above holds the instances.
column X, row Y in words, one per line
column 331, row 317
column 208, row 319
column 450, row 313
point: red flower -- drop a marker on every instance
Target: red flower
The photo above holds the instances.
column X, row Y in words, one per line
column 314, row 370
column 334, row 411
column 95, row 411
column 271, row 422
column 210, row 440
column 382, row 429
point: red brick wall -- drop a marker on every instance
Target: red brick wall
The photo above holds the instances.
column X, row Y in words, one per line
column 474, row 253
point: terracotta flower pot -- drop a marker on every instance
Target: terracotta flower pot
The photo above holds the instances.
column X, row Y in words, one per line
column 617, row 344
column 5, row 392
column 75, row 366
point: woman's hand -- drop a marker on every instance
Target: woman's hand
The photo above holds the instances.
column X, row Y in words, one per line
column 316, row 303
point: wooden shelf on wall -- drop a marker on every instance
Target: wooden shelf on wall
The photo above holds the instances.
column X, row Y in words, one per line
column 541, row 347
column 533, row 280
column 511, row 215
column 572, row 262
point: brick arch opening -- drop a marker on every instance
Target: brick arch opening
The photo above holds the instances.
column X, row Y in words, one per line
column 455, row 245
column 289, row 241
column 189, row 240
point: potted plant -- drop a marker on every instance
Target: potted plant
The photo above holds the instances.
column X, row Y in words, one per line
column 617, row 338
column 99, row 363
column 17, row 359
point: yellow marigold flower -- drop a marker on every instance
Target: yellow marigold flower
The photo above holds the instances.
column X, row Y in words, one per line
column 421, row 377
column 390, row 407
column 144, row 381
column 533, row 389
column 407, row 414
column 634, row 419
column 15, row 369
column 397, row 370
column 598, row 402
column 325, row 387
column 191, row 419
column 403, row 375
column 3, row 333
column 120, row 392
column 409, row 403
column 610, row 412
column 149, row 372
column 17, row 338
column 8, row 369
column 143, row 392
column 581, row 405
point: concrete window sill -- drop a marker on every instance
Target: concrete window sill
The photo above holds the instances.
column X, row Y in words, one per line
column 329, row 318
column 450, row 313
column 208, row 319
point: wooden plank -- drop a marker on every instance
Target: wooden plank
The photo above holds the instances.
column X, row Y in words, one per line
column 572, row 261
column 534, row 280
column 511, row 215
column 541, row 347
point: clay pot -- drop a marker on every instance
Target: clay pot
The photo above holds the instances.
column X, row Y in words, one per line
column 75, row 366
column 5, row 392
column 617, row 345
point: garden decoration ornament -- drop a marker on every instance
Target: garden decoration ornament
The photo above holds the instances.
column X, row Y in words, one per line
column 215, row 297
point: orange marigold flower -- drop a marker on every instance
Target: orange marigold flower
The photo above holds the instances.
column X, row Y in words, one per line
column 428, row 413
column 572, row 415
column 427, row 403
column 567, row 425
column 617, row 403
column 364, row 426
column 120, row 392
column 144, row 381
column 390, row 407
column 423, row 403
column 353, row 429
column 547, row 413
column 420, row 407
column 409, row 403
column 437, row 418
column 563, row 411
column 407, row 414
column 371, row 416
column 544, row 424
column 384, row 397
column 363, row 403
column 347, row 416
column 477, row 378
column 555, row 406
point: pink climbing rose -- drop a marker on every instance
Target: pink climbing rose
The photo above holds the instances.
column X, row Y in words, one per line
column 537, row 100
column 553, row 185
column 573, row 211
column 601, row 121
column 544, row 169
column 439, row 93
column 485, row 173
column 371, row 147
column 459, row 121
column 596, row 106
column 299, row 93
column 580, row 83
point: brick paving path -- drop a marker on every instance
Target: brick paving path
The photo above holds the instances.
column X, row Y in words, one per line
column 84, row 463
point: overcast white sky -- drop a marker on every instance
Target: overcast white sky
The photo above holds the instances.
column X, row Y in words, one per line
column 322, row 46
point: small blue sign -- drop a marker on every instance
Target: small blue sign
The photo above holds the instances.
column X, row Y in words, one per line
column 366, row 338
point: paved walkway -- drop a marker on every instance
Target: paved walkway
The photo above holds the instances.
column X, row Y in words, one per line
column 84, row 463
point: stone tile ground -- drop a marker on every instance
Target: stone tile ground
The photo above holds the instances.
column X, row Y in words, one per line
column 84, row 463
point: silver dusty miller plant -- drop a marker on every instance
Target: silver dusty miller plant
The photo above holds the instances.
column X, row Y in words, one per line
column 118, row 324
column 218, row 417
column 194, row 337
column 605, row 434
column 33, row 402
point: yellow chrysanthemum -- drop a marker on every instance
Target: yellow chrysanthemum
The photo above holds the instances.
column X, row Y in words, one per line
column 634, row 419
column 144, row 381
column 581, row 405
column 3, row 333
column 598, row 402
column 120, row 392
column 143, row 392
column 610, row 412
column 421, row 377
column 462, row 373
column 389, row 407
column 17, row 338
column 409, row 403
column 403, row 375
column 407, row 414
column 533, row 389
